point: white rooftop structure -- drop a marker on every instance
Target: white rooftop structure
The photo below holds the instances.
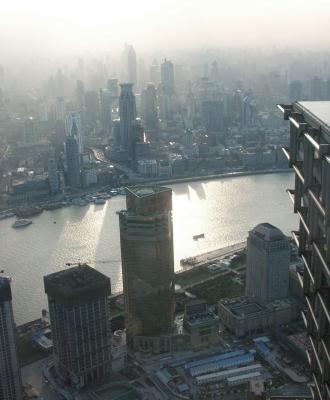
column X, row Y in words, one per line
column 220, row 376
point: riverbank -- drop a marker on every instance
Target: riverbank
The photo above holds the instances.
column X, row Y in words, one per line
column 227, row 175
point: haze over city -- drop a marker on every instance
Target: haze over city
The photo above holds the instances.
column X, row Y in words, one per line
column 164, row 200
column 36, row 27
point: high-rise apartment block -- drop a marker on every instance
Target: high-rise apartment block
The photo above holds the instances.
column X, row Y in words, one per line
column 106, row 108
column 146, row 236
column 149, row 108
column 167, row 78
column 73, row 125
column 53, row 176
column 127, row 112
column 309, row 156
column 72, row 162
column 10, row 377
column 79, row 310
column 267, row 269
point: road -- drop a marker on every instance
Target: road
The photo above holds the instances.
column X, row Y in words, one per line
column 32, row 375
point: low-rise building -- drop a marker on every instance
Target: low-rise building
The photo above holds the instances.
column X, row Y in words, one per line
column 147, row 168
column 200, row 324
column 245, row 316
column 225, row 375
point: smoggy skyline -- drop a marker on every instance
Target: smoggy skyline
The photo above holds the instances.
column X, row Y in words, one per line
column 65, row 28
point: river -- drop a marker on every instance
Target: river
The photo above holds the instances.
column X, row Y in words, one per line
column 223, row 209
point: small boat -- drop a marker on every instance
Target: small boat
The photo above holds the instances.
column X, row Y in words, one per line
column 20, row 223
column 99, row 201
column 200, row 236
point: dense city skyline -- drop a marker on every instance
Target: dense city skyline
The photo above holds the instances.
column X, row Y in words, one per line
column 144, row 173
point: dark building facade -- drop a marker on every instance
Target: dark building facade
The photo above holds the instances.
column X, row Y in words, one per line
column 72, row 162
column 127, row 113
column 10, row 377
column 146, row 236
column 309, row 156
column 79, row 309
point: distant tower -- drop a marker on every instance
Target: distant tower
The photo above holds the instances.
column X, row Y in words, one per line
column 154, row 73
column 267, row 269
column 80, row 96
column 131, row 65
column 127, row 113
column 215, row 72
column 113, row 88
column 31, row 130
column 167, row 78
column 74, row 128
column 53, row 176
column 316, row 89
column 72, row 162
column 10, row 376
column 106, row 107
column 60, row 109
column 149, row 108
column 79, row 310
column 92, row 105
column 146, row 237
column 212, row 115
column 248, row 111
column 295, row 91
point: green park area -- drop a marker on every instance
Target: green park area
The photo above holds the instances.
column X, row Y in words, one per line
column 212, row 292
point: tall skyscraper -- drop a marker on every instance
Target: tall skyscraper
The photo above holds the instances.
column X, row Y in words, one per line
column 31, row 131
column 167, row 78
column 80, row 96
column 295, row 90
column 53, row 176
column 128, row 64
column 60, row 109
column 213, row 115
column 112, row 86
column 73, row 127
column 79, row 310
column 131, row 65
column 10, row 376
column 72, row 162
column 106, row 107
column 149, row 108
column 248, row 112
column 146, row 236
column 267, row 266
column 308, row 155
column 127, row 113
column 92, row 105
column 154, row 73
column 316, row 86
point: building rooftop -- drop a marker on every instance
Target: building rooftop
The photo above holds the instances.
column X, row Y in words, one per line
column 78, row 284
column 144, row 191
column 247, row 307
column 5, row 291
column 320, row 110
column 230, row 372
column 268, row 232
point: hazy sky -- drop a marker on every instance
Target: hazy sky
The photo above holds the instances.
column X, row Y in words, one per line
column 60, row 26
